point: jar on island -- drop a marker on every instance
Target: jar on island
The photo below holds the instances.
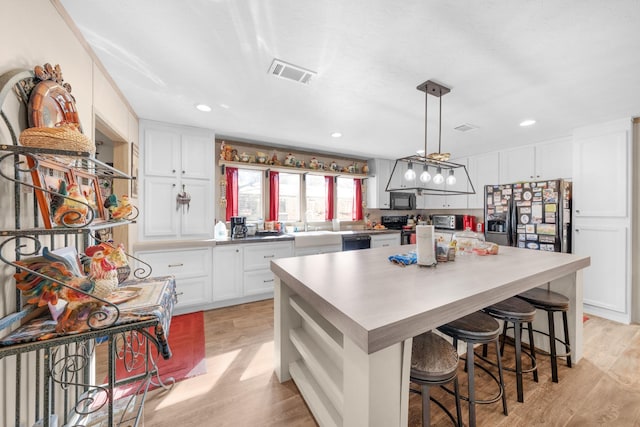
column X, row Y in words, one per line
column 467, row 241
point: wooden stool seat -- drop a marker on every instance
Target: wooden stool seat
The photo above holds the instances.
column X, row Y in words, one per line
column 545, row 300
column 433, row 358
column 551, row 302
column 512, row 309
column 516, row 311
column 475, row 327
column 434, row 361
column 478, row 328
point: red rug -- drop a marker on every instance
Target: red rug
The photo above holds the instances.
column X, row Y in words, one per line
column 186, row 340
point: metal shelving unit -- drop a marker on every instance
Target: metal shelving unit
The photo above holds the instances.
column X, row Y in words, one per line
column 55, row 375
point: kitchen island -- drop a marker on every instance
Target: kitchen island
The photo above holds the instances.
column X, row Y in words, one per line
column 344, row 322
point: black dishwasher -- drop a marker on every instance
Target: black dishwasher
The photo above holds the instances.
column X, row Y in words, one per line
column 356, row 241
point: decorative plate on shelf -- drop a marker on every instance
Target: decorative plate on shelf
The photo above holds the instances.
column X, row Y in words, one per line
column 50, row 104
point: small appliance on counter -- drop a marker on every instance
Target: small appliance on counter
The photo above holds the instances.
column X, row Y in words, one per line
column 469, row 222
column 448, row 222
column 238, row 227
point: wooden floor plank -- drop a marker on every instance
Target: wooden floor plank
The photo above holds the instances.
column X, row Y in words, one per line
column 240, row 388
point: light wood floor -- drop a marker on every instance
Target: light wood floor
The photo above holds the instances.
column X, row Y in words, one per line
column 240, row 388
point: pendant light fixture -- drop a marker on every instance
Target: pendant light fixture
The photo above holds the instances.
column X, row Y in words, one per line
column 449, row 179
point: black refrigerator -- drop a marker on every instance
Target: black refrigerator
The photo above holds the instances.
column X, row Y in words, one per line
column 532, row 215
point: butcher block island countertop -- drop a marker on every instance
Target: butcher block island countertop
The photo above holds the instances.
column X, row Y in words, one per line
column 344, row 321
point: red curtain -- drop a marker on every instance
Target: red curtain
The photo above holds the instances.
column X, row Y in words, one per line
column 328, row 216
column 232, row 192
column 274, row 195
column 356, row 212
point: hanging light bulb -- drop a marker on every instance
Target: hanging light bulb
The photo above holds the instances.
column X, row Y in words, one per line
column 438, row 179
column 451, row 179
column 425, row 176
column 410, row 174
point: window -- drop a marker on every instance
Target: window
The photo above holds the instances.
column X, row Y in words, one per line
column 250, row 200
column 289, row 200
column 349, row 199
column 345, row 199
column 316, row 198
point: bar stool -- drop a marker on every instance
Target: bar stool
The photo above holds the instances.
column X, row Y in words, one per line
column 477, row 328
column 516, row 311
column 434, row 361
column 551, row 302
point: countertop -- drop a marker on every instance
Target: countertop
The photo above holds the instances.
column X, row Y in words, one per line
column 204, row 243
column 377, row 303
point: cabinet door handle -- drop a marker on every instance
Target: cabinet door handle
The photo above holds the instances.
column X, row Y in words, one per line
column 269, row 256
column 175, row 265
column 183, row 172
column 577, row 211
column 577, row 230
column 173, row 171
column 267, row 281
column 384, row 245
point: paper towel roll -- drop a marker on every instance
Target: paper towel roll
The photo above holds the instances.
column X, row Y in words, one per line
column 425, row 245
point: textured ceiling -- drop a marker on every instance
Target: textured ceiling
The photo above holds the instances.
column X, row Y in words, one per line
column 564, row 63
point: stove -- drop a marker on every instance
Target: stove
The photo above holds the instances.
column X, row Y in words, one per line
column 394, row 222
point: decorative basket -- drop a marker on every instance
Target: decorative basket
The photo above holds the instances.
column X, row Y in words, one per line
column 64, row 137
column 123, row 273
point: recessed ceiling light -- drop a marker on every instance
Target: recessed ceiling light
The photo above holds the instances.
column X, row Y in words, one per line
column 527, row 122
column 203, row 107
column 336, row 135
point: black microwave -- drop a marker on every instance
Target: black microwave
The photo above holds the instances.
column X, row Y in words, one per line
column 402, row 201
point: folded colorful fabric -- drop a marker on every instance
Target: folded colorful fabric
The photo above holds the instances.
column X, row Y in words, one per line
column 404, row 259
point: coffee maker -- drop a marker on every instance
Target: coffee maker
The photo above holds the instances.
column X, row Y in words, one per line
column 238, row 227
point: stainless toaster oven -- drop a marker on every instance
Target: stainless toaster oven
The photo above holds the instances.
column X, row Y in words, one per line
column 448, row 222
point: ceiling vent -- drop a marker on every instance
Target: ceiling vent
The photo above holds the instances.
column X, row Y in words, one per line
column 288, row 71
column 465, row 127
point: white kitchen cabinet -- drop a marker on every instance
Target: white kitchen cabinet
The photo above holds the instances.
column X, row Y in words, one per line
column 602, row 163
column 554, row 159
column 385, row 240
column 606, row 281
column 227, row 272
column 602, row 200
column 458, row 201
column 517, row 164
column 176, row 159
column 484, row 170
column 396, row 172
column 543, row 161
column 377, row 196
column 192, row 270
column 242, row 272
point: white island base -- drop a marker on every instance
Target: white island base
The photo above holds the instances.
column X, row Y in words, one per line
column 344, row 322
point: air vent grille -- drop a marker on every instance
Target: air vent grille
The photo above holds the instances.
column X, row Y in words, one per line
column 287, row 71
column 465, row 127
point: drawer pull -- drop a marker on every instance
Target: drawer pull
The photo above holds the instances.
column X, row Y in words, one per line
column 175, row 265
column 384, row 245
column 267, row 281
column 269, row 256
